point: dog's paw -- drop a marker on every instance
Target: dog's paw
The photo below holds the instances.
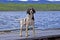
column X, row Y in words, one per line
column 27, row 35
column 20, row 35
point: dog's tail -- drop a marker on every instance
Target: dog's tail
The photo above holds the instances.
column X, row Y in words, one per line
column 21, row 19
column 17, row 19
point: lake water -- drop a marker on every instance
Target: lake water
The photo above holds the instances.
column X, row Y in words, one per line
column 43, row 19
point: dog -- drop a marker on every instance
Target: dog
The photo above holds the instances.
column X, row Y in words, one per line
column 28, row 21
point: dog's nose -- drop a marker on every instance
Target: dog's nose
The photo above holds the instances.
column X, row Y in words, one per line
column 31, row 11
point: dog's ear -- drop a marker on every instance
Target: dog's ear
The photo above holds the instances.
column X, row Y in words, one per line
column 33, row 10
column 28, row 10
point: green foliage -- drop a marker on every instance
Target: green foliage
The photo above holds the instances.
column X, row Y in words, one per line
column 23, row 7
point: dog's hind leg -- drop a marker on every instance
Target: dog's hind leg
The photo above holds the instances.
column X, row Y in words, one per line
column 21, row 26
column 21, row 31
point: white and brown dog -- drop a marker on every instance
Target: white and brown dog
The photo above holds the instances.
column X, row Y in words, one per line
column 28, row 21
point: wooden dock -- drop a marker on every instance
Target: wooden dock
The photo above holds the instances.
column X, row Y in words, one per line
column 48, row 34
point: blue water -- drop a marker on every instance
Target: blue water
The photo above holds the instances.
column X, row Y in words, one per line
column 43, row 19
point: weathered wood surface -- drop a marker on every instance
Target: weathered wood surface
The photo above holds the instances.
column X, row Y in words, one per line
column 39, row 34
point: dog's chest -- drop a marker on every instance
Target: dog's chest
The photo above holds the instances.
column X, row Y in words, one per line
column 28, row 20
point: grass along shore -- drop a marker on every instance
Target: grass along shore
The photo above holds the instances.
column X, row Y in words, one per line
column 23, row 7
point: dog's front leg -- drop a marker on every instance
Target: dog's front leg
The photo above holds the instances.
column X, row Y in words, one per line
column 33, row 28
column 27, row 30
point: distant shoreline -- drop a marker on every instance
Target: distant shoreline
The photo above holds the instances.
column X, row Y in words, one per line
column 23, row 7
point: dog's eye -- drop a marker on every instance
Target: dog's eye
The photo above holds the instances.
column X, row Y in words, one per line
column 31, row 10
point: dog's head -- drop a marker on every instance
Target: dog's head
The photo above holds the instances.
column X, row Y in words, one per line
column 30, row 10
